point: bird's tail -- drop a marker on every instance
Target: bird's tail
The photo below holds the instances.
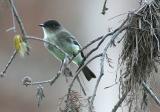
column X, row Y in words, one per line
column 88, row 73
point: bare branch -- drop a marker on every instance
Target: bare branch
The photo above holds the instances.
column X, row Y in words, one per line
column 116, row 33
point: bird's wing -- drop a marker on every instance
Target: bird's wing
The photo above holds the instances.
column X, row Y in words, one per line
column 68, row 43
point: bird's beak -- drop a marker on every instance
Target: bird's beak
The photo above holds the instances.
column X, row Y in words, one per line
column 41, row 25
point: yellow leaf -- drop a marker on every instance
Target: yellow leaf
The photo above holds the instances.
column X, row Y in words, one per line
column 20, row 45
column 17, row 42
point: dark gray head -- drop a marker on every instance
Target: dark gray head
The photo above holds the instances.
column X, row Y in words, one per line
column 51, row 25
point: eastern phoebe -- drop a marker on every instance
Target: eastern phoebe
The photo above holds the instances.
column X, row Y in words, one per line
column 55, row 33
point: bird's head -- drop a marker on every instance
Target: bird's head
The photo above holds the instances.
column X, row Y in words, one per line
column 51, row 25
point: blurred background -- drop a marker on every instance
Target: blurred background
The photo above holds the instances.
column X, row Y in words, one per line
column 81, row 17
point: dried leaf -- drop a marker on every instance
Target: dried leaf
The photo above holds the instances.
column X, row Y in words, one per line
column 40, row 94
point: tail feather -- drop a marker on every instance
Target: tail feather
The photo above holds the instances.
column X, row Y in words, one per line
column 88, row 73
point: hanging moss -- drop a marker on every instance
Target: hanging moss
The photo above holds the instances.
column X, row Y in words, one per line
column 140, row 52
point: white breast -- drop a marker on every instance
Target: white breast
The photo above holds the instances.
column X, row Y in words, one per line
column 48, row 37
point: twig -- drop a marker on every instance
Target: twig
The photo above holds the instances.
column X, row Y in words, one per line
column 54, row 79
column 21, row 26
column 111, row 85
column 99, row 78
column 2, row 74
column 92, row 42
column 13, row 22
column 51, row 81
column 90, row 107
column 104, row 37
column 151, row 93
column 104, row 8
column 120, row 101
column 38, row 83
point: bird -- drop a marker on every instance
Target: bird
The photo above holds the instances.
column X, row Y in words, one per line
column 56, row 34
